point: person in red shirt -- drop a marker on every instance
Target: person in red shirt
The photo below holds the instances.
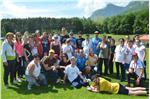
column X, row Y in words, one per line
column 39, row 44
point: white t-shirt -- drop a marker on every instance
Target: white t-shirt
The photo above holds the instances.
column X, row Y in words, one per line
column 36, row 71
column 120, row 52
column 68, row 50
column 72, row 72
column 140, row 51
column 86, row 46
column 137, row 66
column 129, row 53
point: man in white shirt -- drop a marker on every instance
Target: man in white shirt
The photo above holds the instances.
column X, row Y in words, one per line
column 136, row 70
column 86, row 44
column 68, row 49
column 119, row 58
column 74, row 75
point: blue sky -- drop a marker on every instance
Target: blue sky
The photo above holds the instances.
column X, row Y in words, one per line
column 53, row 8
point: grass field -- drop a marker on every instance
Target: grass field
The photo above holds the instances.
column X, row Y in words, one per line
column 61, row 91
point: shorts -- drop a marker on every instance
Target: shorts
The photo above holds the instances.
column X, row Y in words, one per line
column 123, row 90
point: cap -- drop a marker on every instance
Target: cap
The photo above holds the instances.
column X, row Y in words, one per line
column 9, row 34
column 68, row 40
column 51, row 51
column 72, row 58
column 96, row 32
column 134, row 54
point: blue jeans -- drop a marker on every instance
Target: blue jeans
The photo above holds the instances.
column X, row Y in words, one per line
column 40, row 80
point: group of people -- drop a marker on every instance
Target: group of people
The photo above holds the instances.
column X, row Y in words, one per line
column 50, row 58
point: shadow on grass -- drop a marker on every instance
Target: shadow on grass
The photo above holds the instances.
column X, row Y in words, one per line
column 22, row 88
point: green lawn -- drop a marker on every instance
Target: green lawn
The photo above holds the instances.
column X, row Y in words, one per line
column 19, row 91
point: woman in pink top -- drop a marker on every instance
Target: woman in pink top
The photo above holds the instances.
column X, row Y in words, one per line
column 19, row 51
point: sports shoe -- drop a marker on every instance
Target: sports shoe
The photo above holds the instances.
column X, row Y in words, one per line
column 19, row 80
column 6, row 86
column 89, row 88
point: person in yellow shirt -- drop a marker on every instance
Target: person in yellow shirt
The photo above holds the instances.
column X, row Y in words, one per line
column 102, row 85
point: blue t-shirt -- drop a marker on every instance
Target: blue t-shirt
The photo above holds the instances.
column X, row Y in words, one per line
column 95, row 42
column 73, row 42
column 80, row 61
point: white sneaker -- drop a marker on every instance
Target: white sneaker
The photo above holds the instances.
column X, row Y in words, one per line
column 19, row 80
column 29, row 87
column 89, row 88
column 88, row 80
column 58, row 80
column 6, row 86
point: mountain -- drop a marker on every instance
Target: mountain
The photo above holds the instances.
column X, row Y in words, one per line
column 113, row 10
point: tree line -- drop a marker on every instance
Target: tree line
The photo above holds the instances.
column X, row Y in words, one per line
column 131, row 23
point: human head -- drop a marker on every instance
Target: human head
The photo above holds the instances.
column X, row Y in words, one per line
column 135, row 56
column 81, row 52
column 130, row 43
column 68, row 41
column 137, row 42
column 73, row 60
column 87, row 36
column 112, row 42
column 18, row 36
column 121, row 40
column 104, row 39
column 37, row 32
column 63, row 30
column 36, row 58
column 9, row 36
column 51, row 53
column 64, row 57
column 96, row 33
column 44, row 34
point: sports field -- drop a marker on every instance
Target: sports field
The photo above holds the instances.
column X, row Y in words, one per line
column 61, row 91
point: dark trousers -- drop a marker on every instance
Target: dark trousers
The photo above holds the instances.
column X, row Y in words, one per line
column 111, row 63
column 133, row 75
column 78, row 83
column 145, row 69
column 10, row 69
column 100, row 63
column 118, row 67
column 20, row 67
column 51, row 76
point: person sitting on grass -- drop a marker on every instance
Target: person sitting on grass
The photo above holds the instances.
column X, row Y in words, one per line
column 33, row 73
column 74, row 75
column 50, row 67
column 136, row 70
column 103, row 85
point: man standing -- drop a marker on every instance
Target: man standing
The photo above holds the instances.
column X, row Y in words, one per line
column 9, row 58
column 95, row 42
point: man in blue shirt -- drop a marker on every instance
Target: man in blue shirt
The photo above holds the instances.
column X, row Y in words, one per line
column 73, row 41
column 81, row 60
column 95, row 42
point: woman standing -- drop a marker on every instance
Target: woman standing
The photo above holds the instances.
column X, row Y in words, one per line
column 19, row 51
column 103, row 56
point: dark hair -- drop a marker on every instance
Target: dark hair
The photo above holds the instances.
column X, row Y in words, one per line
column 121, row 39
column 65, row 54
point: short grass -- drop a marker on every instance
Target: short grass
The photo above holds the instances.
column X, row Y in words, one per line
column 61, row 91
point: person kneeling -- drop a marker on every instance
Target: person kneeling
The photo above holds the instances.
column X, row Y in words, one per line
column 136, row 71
column 102, row 85
column 33, row 73
column 74, row 75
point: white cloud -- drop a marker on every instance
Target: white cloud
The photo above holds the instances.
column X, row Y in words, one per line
column 9, row 9
column 88, row 6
